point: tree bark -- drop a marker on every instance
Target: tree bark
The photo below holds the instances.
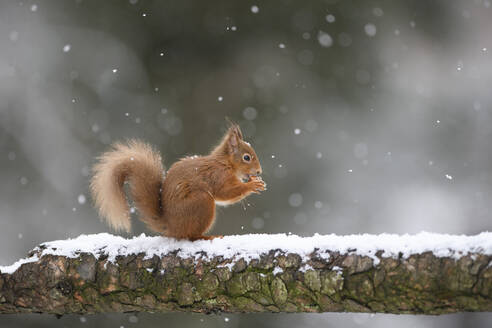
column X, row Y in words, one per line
column 276, row 282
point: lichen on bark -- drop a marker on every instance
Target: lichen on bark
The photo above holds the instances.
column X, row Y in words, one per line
column 421, row 283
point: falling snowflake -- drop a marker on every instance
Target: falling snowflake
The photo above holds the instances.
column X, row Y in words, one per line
column 370, row 29
column 81, row 199
column 324, row 39
column 330, row 18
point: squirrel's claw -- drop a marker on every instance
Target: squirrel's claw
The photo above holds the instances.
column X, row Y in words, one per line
column 258, row 185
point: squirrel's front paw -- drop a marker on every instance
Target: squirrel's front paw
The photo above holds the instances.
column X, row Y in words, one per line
column 257, row 184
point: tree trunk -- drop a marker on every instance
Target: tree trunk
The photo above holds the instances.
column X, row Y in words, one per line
column 275, row 282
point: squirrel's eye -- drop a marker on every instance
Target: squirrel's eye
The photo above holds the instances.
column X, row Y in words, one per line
column 246, row 157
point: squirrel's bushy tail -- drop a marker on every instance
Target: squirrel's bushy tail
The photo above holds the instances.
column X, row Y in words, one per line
column 140, row 165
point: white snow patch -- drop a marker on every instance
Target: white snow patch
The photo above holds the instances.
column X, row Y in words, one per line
column 324, row 255
column 305, row 267
column 251, row 246
column 12, row 268
column 337, row 269
column 277, row 270
column 226, row 265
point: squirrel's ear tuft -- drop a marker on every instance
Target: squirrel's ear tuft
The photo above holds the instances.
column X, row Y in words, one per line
column 234, row 129
column 232, row 140
column 237, row 131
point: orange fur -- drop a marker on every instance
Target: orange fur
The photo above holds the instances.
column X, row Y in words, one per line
column 183, row 204
column 142, row 167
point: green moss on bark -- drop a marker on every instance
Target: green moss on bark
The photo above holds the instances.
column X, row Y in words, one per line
column 420, row 284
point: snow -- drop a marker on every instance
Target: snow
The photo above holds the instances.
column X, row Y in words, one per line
column 258, row 223
column 324, row 39
column 305, row 268
column 370, row 29
column 250, row 113
column 277, row 270
column 12, row 268
column 295, row 199
column 81, row 199
column 251, row 246
column 330, row 18
column 378, row 12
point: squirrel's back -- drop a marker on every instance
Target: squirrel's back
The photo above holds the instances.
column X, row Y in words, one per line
column 183, row 204
column 139, row 164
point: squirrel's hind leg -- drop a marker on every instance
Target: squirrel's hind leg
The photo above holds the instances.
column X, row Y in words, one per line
column 190, row 218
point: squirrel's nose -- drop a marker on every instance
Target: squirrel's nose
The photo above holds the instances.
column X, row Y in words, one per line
column 258, row 172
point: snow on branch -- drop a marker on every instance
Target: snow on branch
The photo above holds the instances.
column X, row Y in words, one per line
column 424, row 273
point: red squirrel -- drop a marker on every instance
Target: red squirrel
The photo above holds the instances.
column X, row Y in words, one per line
column 181, row 204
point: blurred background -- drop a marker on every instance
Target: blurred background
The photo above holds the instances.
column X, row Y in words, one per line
column 368, row 116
